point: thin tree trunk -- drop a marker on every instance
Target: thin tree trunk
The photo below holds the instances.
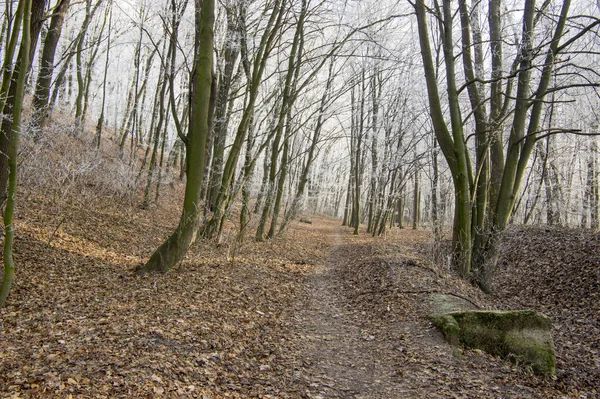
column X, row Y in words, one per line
column 264, row 50
column 435, row 220
column 593, row 186
column 248, row 170
column 100, row 123
column 89, row 68
column 12, row 153
column 160, row 162
column 78, row 44
column 291, row 213
column 287, row 100
column 79, row 101
column 281, row 181
column 416, row 202
column 231, row 54
column 264, row 182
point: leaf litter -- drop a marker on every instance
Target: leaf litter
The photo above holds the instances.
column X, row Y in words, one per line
column 317, row 313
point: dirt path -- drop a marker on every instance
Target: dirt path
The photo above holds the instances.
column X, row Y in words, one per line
column 341, row 359
column 363, row 336
column 318, row 313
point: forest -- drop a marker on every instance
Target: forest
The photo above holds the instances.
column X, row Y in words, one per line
column 274, row 198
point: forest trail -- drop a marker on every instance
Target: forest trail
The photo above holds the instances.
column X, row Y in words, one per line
column 317, row 313
column 363, row 331
column 341, row 359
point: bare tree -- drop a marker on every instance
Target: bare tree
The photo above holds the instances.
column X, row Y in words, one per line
column 24, row 13
column 175, row 247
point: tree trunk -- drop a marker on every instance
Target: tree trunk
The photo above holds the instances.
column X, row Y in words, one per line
column 435, row 219
column 42, row 87
column 175, row 247
column 401, row 212
column 154, row 141
column 264, row 50
column 100, row 123
column 416, row 202
column 79, row 101
column 291, row 213
column 230, row 57
column 452, row 141
column 283, row 171
column 78, row 44
column 89, row 68
column 12, row 153
column 264, row 182
column 11, row 81
column 594, row 193
column 247, row 171
column 287, row 101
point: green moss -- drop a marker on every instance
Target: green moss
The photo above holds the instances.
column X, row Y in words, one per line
column 523, row 335
column 532, row 348
column 448, row 326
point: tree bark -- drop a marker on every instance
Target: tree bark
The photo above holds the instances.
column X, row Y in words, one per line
column 452, row 144
column 42, row 87
column 100, row 124
column 175, row 247
column 11, row 81
column 12, row 153
column 258, row 67
column 230, row 57
column 79, row 101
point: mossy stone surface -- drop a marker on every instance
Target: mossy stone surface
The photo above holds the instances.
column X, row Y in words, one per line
column 523, row 336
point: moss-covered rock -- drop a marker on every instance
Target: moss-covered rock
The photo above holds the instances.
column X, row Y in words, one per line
column 520, row 335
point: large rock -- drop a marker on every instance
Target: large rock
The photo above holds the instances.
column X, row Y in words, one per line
column 523, row 336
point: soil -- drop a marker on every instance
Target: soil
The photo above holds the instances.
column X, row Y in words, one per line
column 317, row 313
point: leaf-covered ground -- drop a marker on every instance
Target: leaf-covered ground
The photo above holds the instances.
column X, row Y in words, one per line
column 557, row 271
column 318, row 313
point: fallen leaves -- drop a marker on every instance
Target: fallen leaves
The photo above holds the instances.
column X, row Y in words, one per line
column 80, row 323
column 557, row 271
column 227, row 322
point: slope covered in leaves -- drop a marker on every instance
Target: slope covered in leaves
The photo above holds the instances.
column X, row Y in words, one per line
column 557, row 271
column 79, row 321
column 316, row 313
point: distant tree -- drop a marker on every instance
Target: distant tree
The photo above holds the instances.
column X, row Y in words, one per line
column 277, row 175
column 100, row 124
column 42, row 86
column 83, row 72
column 75, row 49
column 167, row 69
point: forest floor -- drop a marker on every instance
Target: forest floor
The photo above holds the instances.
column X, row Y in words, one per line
column 317, row 313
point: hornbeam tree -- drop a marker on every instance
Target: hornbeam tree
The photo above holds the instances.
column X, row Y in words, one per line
column 22, row 66
column 11, row 78
column 255, row 69
column 485, row 195
column 175, row 247
column 42, row 87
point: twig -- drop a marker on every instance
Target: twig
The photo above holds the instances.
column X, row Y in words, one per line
column 419, row 292
column 56, row 229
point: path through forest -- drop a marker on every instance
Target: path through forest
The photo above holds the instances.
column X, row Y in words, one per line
column 341, row 359
column 318, row 313
column 365, row 333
